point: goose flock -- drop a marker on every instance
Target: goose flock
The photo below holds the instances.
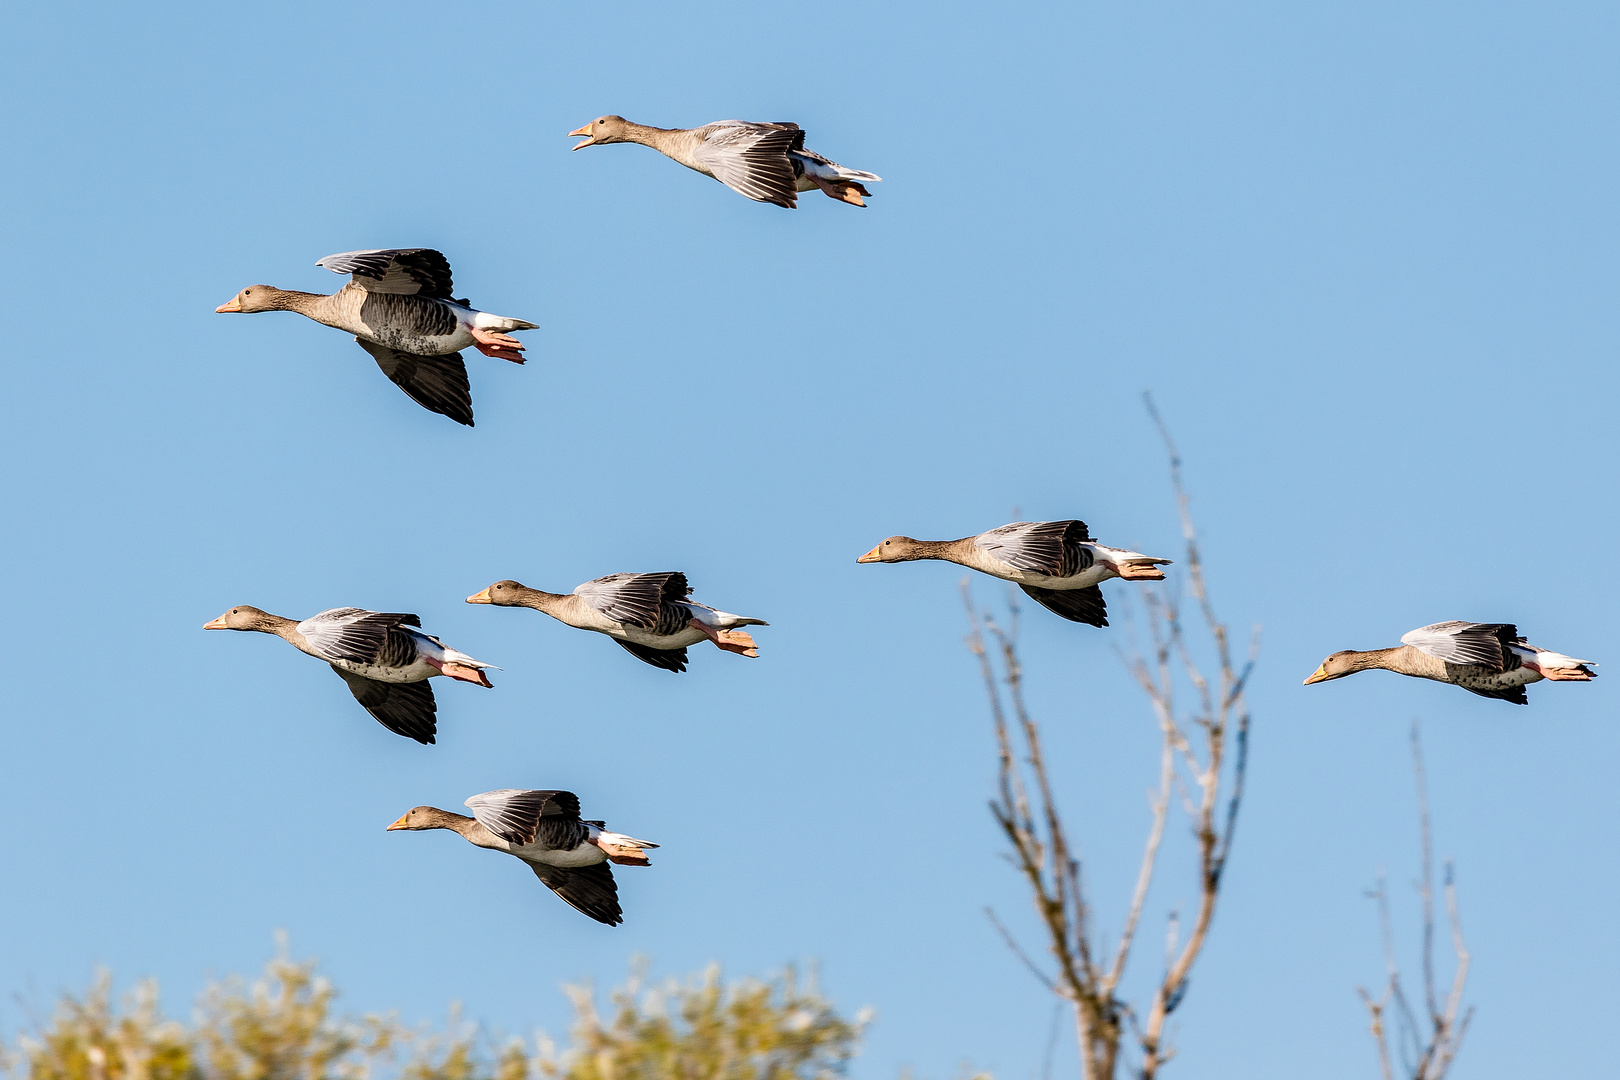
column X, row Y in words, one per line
column 400, row 305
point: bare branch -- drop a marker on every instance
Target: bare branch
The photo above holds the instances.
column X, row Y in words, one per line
column 1428, row 1050
column 1194, row 751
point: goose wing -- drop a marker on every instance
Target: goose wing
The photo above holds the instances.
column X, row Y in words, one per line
column 668, row 659
column 1515, row 694
column 523, row 817
column 1077, row 605
column 354, row 634
column 407, row 271
column 634, row 599
column 752, row 159
column 406, row 709
column 587, row 889
column 437, row 383
column 1054, row 548
column 1456, row 642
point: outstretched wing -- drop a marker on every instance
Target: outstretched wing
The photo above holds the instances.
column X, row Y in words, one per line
column 406, row 709
column 1455, row 642
column 408, row 271
column 752, row 159
column 348, row 633
column 437, row 383
column 587, row 889
column 634, row 599
column 1054, row 548
column 521, row 817
column 668, row 659
column 1077, row 605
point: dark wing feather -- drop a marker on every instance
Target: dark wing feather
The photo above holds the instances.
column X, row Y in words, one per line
column 668, row 659
column 752, row 160
column 419, row 271
column 516, row 815
column 587, row 889
column 406, row 709
column 633, row 599
column 352, row 633
column 1077, row 605
column 1514, row 694
column 437, row 383
column 1053, row 548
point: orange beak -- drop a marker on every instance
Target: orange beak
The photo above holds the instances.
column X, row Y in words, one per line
column 1318, row 675
column 583, row 131
column 217, row 624
column 400, row 824
column 233, row 304
column 872, row 556
column 480, row 597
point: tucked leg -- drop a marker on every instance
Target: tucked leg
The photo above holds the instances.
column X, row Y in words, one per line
column 842, row 190
column 462, row 672
column 730, row 640
column 1139, row 571
column 500, row 346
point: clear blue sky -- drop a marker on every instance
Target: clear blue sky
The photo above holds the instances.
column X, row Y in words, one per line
column 1365, row 256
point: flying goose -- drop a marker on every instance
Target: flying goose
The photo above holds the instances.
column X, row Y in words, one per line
column 398, row 306
column 383, row 659
column 544, row 830
column 1488, row 659
column 649, row 614
column 766, row 162
column 1055, row 562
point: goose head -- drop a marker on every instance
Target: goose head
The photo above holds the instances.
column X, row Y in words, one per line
column 502, row 594
column 244, row 617
column 604, row 129
column 894, row 549
column 251, row 299
column 424, row 817
column 1337, row 666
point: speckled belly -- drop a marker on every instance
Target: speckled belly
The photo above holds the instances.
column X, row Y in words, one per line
column 421, row 344
column 414, row 673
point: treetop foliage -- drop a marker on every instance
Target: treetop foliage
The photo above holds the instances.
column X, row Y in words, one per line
column 283, row 1027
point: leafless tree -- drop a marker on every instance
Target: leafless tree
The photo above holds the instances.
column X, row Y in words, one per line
column 1428, row 1048
column 1202, row 757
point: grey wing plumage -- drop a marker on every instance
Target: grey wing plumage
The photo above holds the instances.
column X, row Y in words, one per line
column 752, row 159
column 587, row 889
column 406, row 709
column 1077, row 605
column 1054, row 548
column 411, row 271
column 352, row 633
column 1456, row 642
column 668, row 659
column 519, row 816
column 437, row 383
column 633, row 599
